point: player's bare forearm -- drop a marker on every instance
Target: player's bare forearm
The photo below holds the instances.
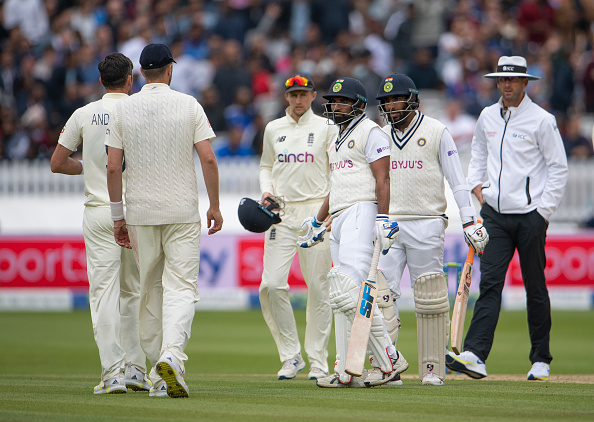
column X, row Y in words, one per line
column 324, row 210
column 381, row 171
column 120, row 232
column 478, row 192
column 115, row 157
column 61, row 162
column 210, row 172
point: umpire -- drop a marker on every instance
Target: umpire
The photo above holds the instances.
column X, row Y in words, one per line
column 517, row 145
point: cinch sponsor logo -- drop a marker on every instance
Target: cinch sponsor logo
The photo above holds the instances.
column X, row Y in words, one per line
column 379, row 150
column 452, row 152
column 295, row 158
column 414, row 164
column 341, row 165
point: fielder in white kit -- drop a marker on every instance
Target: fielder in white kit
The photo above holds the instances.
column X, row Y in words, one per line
column 294, row 167
column 358, row 202
column 114, row 284
column 422, row 153
column 158, row 130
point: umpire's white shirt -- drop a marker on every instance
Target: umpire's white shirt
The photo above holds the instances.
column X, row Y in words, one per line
column 521, row 153
column 157, row 129
column 294, row 161
column 90, row 123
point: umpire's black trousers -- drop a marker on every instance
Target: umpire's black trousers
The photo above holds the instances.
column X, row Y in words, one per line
column 507, row 232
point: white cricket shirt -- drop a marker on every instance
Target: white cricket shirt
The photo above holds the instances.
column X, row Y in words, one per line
column 157, row 129
column 294, row 162
column 88, row 125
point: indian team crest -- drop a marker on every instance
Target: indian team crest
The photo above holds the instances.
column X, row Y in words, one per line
column 337, row 85
column 421, row 142
column 388, row 85
column 351, row 144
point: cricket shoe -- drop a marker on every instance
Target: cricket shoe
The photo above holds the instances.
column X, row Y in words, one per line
column 468, row 363
column 348, row 381
column 431, row 379
column 316, row 373
column 159, row 389
column 395, row 381
column 540, row 371
column 115, row 385
column 291, row 367
column 136, row 379
column 400, row 364
column 169, row 369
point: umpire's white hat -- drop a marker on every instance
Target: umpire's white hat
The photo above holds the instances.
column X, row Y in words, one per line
column 509, row 66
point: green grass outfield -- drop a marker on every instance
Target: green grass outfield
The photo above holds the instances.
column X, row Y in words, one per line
column 49, row 365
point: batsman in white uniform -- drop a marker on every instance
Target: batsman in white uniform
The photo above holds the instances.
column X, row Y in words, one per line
column 422, row 153
column 358, row 203
column 158, row 130
column 114, row 284
column 294, row 167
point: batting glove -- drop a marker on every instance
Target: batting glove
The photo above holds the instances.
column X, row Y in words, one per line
column 476, row 236
column 315, row 233
column 386, row 232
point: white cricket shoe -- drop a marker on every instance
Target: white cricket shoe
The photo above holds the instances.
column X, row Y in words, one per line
column 395, row 381
column 540, row 371
column 400, row 364
column 377, row 377
column 159, row 390
column 316, row 373
column 291, row 367
column 348, row 381
column 115, row 385
column 431, row 379
column 136, row 379
column 468, row 363
column 169, row 369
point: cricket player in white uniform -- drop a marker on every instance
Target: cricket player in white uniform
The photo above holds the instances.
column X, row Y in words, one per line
column 158, row 129
column 114, row 284
column 294, row 167
column 358, row 203
column 422, row 153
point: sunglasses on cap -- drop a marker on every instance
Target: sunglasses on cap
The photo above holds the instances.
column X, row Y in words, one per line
column 297, row 80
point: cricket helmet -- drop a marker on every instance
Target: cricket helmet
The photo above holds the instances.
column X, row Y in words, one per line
column 349, row 88
column 397, row 84
column 257, row 218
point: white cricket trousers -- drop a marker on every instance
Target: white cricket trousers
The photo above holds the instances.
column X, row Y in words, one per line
column 280, row 246
column 168, row 258
column 419, row 245
column 114, row 294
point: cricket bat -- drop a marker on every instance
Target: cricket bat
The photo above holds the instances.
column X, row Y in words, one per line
column 357, row 348
column 461, row 302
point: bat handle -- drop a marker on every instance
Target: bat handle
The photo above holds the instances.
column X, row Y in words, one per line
column 374, row 260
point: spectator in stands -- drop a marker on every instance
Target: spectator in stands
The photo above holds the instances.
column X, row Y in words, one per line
column 459, row 124
column 575, row 143
column 230, row 74
column 214, row 109
column 232, row 147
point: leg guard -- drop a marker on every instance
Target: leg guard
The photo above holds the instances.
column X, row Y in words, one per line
column 433, row 321
column 344, row 293
column 388, row 307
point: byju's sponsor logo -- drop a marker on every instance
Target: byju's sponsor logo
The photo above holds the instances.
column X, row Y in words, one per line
column 409, row 164
column 344, row 164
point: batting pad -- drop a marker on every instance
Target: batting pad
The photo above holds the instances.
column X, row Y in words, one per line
column 433, row 323
column 343, row 306
column 387, row 306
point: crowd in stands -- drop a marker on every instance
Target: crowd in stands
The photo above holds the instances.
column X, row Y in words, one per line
column 234, row 55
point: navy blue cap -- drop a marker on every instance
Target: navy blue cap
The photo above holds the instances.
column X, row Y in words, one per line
column 154, row 56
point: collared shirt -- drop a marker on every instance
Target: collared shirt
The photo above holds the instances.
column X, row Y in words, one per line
column 520, row 154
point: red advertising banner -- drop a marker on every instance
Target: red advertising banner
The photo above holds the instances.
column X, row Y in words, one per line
column 570, row 262
column 43, row 262
column 250, row 252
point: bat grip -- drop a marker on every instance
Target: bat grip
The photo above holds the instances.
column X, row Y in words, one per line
column 374, row 261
